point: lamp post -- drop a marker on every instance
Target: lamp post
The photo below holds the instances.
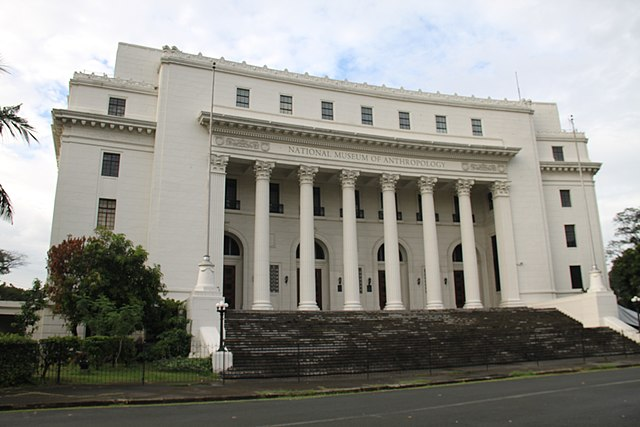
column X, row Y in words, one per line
column 221, row 308
column 636, row 301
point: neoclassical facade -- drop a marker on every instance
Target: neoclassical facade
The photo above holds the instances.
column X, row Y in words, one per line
column 309, row 193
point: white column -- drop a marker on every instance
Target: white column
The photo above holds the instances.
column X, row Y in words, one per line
column 471, row 278
column 218, row 178
column 350, row 241
column 509, row 287
column 391, row 258
column 307, row 240
column 261, row 293
column 430, row 238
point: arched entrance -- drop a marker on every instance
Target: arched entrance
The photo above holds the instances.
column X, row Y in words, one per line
column 404, row 281
column 321, row 276
column 232, row 272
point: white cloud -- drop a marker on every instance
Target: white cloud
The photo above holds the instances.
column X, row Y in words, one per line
column 581, row 54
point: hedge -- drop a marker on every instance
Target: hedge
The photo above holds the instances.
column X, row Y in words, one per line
column 18, row 359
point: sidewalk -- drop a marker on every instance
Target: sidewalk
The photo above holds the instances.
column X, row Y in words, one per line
column 52, row 396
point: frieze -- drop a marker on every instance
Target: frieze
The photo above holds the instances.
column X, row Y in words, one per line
column 246, row 144
column 482, row 167
column 332, row 154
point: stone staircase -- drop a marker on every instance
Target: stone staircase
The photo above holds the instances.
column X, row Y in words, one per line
column 280, row 344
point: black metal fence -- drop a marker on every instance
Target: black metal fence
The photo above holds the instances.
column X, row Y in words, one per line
column 61, row 367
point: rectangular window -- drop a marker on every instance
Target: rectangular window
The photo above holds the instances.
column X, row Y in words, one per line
column 116, row 106
column 359, row 211
column 318, row 209
column 274, row 278
column 419, row 213
column 106, row 214
column 576, row 276
column 242, row 98
column 231, row 194
column 558, row 154
column 570, row 235
column 565, row 198
column 110, row 164
column 367, row 116
column 456, row 209
column 327, row 110
column 405, row 120
column 476, row 127
column 441, row 124
column 274, row 198
column 286, row 104
column 490, row 200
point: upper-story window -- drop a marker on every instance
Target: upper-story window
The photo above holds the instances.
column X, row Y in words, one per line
column 116, row 106
column 242, row 98
column 327, row 110
column 441, row 124
column 367, row 116
column 476, row 127
column 106, row 214
column 286, row 104
column 558, row 154
column 565, row 198
column 274, row 198
column 110, row 164
column 405, row 120
column 231, row 194
column 570, row 235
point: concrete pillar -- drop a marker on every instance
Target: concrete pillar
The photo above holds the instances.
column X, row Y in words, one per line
column 261, row 292
column 350, row 241
column 430, row 240
column 307, row 241
column 391, row 258
column 471, row 277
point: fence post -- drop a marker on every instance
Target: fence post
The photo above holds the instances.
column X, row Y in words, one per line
column 584, row 357
column 298, row 358
column 59, row 347
column 144, row 367
column 367, row 358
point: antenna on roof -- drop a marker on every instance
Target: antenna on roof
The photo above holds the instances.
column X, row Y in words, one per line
column 518, row 86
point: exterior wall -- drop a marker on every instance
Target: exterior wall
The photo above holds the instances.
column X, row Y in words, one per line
column 162, row 191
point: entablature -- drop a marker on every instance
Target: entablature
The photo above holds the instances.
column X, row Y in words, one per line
column 104, row 81
column 62, row 118
column 555, row 166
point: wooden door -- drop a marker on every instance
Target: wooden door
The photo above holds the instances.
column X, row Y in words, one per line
column 458, row 281
column 229, row 285
column 382, row 289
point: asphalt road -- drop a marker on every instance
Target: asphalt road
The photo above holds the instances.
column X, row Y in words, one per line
column 600, row 398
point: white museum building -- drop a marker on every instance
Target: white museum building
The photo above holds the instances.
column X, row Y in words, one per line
column 308, row 193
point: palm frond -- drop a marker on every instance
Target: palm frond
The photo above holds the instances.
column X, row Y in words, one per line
column 6, row 210
column 15, row 124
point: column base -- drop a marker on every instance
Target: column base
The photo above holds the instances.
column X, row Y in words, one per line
column 352, row 306
column 262, row 306
column 472, row 304
column 308, row 306
column 512, row 303
column 595, row 281
column 394, row 306
column 435, row 305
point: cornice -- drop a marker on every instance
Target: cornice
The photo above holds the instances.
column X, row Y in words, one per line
column 105, row 81
column 297, row 134
column 62, row 118
column 175, row 56
column 588, row 167
column 563, row 136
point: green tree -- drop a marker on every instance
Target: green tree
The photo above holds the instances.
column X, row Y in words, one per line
column 17, row 126
column 34, row 301
column 107, row 266
column 624, row 275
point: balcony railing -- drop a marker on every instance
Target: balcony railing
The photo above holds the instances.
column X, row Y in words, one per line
column 419, row 216
column 359, row 213
column 232, row 204
column 398, row 215
column 276, row 208
column 318, row 211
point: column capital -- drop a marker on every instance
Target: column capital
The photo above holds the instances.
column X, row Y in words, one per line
column 306, row 174
column 427, row 183
column 463, row 187
column 263, row 169
column 388, row 181
column 218, row 163
column 348, row 177
column 500, row 189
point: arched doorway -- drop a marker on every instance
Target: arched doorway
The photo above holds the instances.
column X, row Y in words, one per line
column 321, row 276
column 232, row 272
column 404, row 282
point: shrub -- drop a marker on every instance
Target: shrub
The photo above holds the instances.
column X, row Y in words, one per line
column 185, row 364
column 100, row 350
column 18, row 359
column 171, row 343
column 58, row 350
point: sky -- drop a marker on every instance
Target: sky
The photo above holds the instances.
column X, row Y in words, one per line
column 583, row 55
